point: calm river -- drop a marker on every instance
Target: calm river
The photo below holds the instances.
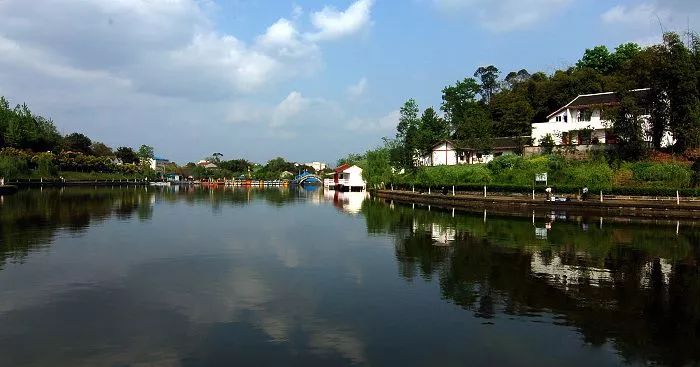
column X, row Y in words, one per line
column 236, row 277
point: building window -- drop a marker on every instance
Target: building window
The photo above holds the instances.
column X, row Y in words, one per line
column 558, row 118
column 566, row 118
column 585, row 115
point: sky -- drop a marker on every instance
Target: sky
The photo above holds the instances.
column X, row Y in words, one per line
column 308, row 80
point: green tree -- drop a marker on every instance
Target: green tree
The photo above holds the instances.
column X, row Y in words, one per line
column 475, row 130
column 598, row 58
column 624, row 53
column 547, row 144
column 489, row 81
column 126, row 155
column 237, row 166
column 511, row 113
column 350, row 159
column 513, row 79
column 145, row 152
column 628, row 126
column 456, row 98
column 101, row 150
column 684, row 100
column 377, row 170
column 77, row 142
column 407, row 134
column 432, row 129
column 12, row 167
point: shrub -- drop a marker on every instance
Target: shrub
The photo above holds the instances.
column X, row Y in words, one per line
column 11, row 167
column 662, row 174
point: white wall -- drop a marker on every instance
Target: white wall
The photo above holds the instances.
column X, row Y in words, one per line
column 353, row 175
column 556, row 128
column 444, row 155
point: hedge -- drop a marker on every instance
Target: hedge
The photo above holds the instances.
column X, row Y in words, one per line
column 557, row 189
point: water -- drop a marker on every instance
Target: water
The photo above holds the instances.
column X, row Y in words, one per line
column 159, row 277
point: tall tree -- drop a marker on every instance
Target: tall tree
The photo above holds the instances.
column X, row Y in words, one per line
column 77, row 142
column 628, row 126
column 432, row 129
column 624, row 53
column 145, row 152
column 101, row 150
column 515, row 78
column 475, row 129
column 403, row 153
column 597, row 58
column 126, row 155
column 512, row 114
column 489, row 81
column 456, row 99
column 683, row 94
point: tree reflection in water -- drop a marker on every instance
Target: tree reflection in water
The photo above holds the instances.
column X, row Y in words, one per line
column 634, row 285
column 31, row 218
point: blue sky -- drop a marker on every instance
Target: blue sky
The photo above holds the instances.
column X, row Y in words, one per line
column 307, row 80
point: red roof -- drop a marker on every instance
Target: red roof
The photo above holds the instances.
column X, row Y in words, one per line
column 342, row 168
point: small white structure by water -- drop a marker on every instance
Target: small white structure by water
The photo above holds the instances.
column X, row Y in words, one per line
column 346, row 178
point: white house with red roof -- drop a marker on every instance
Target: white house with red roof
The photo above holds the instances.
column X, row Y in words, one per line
column 347, row 178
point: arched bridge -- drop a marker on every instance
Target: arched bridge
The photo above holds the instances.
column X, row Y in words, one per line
column 307, row 178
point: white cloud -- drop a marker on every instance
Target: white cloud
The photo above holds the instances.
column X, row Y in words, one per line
column 645, row 21
column 289, row 108
column 171, row 47
column 332, row 23
column 385, row 123
column 164, row 65
column 504, row 15
column 640, row 14
column 358, row 89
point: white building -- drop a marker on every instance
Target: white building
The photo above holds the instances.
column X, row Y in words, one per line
column 318, row 166
column 157, row 162
column 449, row 153
column 581, row 121
column 347, row 178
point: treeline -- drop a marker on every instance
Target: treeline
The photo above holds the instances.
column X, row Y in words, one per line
column 275, row 169
column 31, row 145
column 486, row 105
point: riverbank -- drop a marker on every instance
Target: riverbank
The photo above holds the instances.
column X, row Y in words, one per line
column 628, row 207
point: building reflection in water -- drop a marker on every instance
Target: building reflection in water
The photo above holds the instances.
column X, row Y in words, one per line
column 348, row 202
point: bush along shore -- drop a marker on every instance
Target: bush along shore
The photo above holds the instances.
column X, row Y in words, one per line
column 512, row 174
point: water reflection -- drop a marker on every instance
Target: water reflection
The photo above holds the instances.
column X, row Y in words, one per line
column 348, row 202
column 634, row 285
column 196, row 276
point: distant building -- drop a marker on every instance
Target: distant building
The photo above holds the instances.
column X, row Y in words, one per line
column 286, row 174
column 158, row 162
column 449, row 153
column 581, row 122
column 173, row 177
column 318, row 166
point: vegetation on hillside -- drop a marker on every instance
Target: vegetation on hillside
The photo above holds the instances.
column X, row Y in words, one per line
column 478, row 108
column 31, row 146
